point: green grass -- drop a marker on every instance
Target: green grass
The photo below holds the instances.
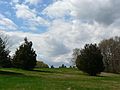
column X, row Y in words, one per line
column 56, row 79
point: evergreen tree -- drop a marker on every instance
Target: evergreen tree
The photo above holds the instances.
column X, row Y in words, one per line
column 90, row 60
column 52, row 66
column 5, row 60
column 25, row 56
column 70, row 67
column 63, row 66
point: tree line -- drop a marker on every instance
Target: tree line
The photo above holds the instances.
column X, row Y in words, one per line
column 24, row 57
column 93, row 58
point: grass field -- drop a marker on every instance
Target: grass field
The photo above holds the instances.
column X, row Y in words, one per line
column 56, row 79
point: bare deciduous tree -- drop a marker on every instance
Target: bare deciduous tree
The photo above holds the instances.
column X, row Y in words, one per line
column 111, row 54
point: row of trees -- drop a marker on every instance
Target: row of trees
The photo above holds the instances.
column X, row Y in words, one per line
column 24, row 57
column 63, row 66
column 94, row 59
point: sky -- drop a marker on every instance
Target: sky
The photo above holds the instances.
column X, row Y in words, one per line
column 56, row 27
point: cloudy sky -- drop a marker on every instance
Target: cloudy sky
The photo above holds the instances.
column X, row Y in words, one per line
column 56, row 27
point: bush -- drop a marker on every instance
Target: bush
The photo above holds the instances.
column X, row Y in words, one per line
column 90, row 60
column 41, row 64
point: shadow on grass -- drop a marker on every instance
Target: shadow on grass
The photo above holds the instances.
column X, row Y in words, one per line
column 11, row 73
column 45, row 71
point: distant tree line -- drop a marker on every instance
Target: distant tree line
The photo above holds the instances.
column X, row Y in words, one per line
column 62, row 66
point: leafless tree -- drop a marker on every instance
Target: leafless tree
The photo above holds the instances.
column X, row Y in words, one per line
column 110, row 49
column 76, row 52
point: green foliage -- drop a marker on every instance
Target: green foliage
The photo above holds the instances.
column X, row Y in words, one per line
column 90, row 60
column 25, row 56
column 41, row 64
column 5, row 60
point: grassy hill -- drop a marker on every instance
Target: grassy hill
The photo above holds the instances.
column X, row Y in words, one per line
column 56, row 79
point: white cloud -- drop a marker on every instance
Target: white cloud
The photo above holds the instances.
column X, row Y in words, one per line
column 104, row 12
column 90, row 21
column 29, row 16
column 56, row 45
column 24, row 12
column 58, row 9
column 33, row 2
column 15, row 1
column 6, row 23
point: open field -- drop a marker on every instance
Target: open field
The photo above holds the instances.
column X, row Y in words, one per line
column 56, row 79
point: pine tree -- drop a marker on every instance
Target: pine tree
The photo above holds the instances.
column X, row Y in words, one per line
column 90, row 60
column 5, row 60
column 52, row 66
column 25, row 56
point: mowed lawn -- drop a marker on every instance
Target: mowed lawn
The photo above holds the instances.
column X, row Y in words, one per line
column 56, row 79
